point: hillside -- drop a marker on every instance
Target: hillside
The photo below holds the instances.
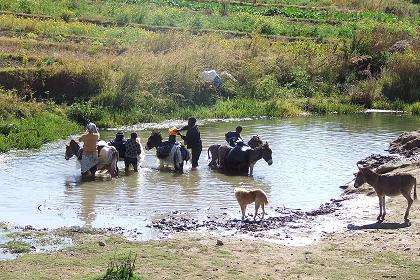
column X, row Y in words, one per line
column 119, row 62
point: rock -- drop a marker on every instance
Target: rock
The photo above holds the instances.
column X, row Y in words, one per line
column 405, row 143
column 401, row 46
column 361, row 62
column 101, row 243
column 219, row 242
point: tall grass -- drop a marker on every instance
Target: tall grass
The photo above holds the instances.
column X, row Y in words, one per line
column 32, row 133
column 122, row 269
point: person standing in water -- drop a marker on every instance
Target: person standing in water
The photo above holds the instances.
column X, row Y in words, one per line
column 132, row 152
column 193, row 140
column 90, row 154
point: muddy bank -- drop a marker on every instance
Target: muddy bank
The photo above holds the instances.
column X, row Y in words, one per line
column 180, row 222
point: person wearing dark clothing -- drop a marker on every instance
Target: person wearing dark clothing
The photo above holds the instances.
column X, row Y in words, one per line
column 132, row 151
column 193, row 140
column 119, row 143
column 233, row 136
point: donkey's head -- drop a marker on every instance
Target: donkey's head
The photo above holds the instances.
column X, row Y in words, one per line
column 154, row 140
column 255, row 141
column 72, row 149
column 267, row 153
column 363, row 175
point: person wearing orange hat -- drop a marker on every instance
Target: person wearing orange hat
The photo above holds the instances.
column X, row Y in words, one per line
column 172, row 135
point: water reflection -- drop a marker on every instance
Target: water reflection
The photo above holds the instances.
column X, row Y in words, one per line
column 312, row 157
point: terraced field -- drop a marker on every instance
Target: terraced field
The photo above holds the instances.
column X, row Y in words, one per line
column 124, row 61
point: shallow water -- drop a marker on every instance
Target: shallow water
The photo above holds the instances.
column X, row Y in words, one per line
column 312, row 157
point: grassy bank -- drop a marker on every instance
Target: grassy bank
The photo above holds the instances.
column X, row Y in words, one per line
column 26, row 125
column 348, row 255
column 122, row 62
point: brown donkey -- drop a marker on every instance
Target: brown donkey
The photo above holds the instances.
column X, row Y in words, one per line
column 389, row 185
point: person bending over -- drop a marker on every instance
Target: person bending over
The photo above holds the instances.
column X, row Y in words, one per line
column 193, row 140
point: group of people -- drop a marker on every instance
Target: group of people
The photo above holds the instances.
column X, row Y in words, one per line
column 130, row 148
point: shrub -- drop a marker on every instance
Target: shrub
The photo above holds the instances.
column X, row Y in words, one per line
column 266, row 28
column 281, row 108
column 67, row 15
column 414, row 108
column 365, row 92
column 85, row 112
column 403, row 77
column 266, row 88
column 122, row 269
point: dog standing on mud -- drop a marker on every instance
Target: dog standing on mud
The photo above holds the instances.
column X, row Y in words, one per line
column 245, row 197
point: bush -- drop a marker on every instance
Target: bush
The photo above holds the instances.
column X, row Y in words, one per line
column 281, row 108
column 266, row 28
column 403, row 78
column 414, row 108
column 85, row 112
column 365, row 92
column 122, row 269
column 266, row 88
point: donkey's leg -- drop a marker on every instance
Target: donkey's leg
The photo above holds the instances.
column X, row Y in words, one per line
column 409, row 202
column 251, row 169
column 93, row 171
column 380, row 208
column 383, row 208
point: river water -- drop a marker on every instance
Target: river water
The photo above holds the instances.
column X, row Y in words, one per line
column 313, row 156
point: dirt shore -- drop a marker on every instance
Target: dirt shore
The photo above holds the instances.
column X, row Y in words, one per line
column 362, row 250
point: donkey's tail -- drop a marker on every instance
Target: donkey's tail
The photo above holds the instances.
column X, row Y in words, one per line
column 415, row 186
column 114, row 161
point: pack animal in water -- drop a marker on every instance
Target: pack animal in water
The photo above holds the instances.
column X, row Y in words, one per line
column 168, row 155
column 108, row 157
column 229, row 165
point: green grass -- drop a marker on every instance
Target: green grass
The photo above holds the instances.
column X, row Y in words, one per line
column 122, row 269
column 27, row 125
column 17, row 247
column 98, row 64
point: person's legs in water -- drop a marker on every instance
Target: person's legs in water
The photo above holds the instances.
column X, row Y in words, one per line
column 93, row 171
column 126, row 163
column 135, row 164
column 195, row 156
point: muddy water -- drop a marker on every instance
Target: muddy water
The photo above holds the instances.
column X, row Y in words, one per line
column 312, row 157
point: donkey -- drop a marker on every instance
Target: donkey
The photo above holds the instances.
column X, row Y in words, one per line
column 213, row 151
column 389, row 185
column 175, row 156
column 252, row 156
column 108, row 157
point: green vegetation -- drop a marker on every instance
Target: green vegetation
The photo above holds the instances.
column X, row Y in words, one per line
column 30, row 124
column 119, row 62
column 16, row 247
column 122, row 269
column 198, row 257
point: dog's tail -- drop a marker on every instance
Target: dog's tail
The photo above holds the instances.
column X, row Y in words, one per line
column 262, row 195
